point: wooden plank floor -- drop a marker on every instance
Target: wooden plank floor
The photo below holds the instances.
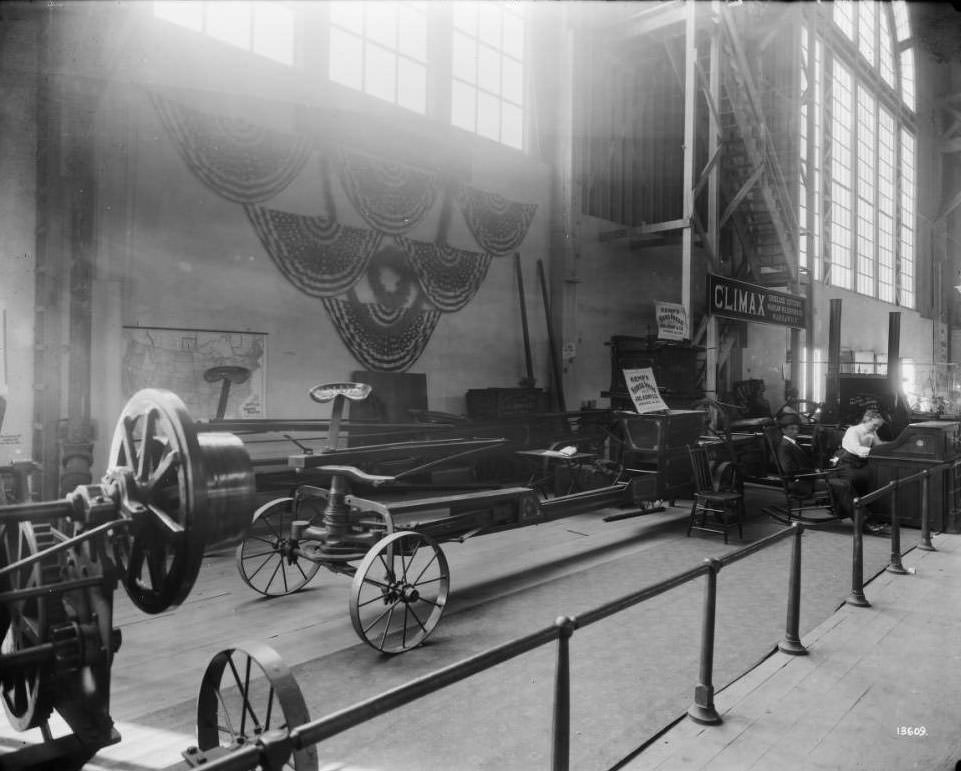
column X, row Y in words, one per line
column 633, row 675
column 869, row 672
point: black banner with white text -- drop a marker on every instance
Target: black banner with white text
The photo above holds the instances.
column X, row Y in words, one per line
column 739, row 300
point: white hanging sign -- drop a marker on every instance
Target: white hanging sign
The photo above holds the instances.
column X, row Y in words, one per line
column 671, row 321
column 643, row 390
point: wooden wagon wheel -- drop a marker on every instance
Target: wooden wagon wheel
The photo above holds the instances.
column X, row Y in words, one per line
column 178, row 488
column 247, row 692
column 399, row 592
column 29, row 691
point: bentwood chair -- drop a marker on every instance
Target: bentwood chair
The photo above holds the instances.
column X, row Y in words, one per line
column 714, row 510
column 825, row 498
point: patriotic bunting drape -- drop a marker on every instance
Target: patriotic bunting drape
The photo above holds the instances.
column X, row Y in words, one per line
column 449, row 277
column 238, row 160
column 391, row 197
column 497, row 224
column 383, row 292
column 318, row 256
column 382, row 339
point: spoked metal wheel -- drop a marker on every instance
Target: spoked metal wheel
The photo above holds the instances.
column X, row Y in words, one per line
column 29, row 691
column 399, row 592
column 264, row 558
column 248, row 692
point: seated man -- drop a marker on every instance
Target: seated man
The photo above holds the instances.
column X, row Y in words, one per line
column 794, row 459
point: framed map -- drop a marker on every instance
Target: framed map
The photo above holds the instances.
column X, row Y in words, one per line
column 176, row 359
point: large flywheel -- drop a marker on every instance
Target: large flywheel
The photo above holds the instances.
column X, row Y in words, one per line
column 29, row 692
column 180, row 489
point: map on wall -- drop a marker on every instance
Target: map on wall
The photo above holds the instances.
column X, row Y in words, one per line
column 176, row 359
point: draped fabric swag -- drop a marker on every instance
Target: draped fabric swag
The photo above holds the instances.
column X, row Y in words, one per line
column 383, row 291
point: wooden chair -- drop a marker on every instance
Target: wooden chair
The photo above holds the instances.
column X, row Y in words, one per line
column 823, row 504
column 714, row 510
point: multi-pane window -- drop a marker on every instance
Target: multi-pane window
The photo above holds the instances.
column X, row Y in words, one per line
column 487, row 89
column 842, row 182
column 264, row 28
column 844, row 16
column 867, row 28
column 908, row 194
column 812, row 173
column 380, row 48
column 886, row 52
column 866, row 162
column 886, row 205
column 907, row 78
column 869, row 183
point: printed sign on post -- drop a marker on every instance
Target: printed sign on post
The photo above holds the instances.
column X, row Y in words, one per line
column 643, row 389
column 671, row 321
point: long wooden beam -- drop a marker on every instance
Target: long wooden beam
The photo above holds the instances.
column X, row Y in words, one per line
column 742, row 193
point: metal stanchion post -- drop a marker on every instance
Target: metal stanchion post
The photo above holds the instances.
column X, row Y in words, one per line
column 895, row 566
column 792, row 640
column 702, row 710
column 926, row 544
column 562, row 697
column 857, row 597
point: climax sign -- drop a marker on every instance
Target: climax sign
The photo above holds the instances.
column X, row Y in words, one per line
column 738, row 300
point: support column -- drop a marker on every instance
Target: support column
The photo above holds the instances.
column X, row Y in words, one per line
column 713, row 141
column 894, row 355
column 690, row 61
column 832, row 399
column 810, row 225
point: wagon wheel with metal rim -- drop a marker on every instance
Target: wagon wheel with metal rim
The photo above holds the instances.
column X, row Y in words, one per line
column 265, row 558
column 29, row 691
column 245, row 693
column 272, row 563
column 399, row 591
column 176, row 488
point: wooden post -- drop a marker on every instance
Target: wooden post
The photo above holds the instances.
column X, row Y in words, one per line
column 690, row 63
column 832, row 398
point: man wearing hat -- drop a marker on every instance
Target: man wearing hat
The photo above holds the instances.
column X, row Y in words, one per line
column 794, row 459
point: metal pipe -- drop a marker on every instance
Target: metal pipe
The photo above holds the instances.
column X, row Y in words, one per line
column 552, row 344
column 318, row 730
column 562, row 696
column 702, row 710
column 634, row 598
column 926, row 544
column 857, row 597
column 792, row 639
column 758, row 545
column 529, row 381
column 36, row 512
column 62, row 546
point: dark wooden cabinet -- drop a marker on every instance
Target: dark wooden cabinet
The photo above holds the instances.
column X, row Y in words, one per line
column 658, row 442
column 921, row 446
column 675, row 369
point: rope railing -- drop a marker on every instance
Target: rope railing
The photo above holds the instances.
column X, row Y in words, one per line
column 273, row 748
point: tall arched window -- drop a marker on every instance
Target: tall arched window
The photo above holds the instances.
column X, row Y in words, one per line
column 858, row 147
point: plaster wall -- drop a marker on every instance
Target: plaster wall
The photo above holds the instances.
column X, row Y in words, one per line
column 17, row 244
column 173, row 253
